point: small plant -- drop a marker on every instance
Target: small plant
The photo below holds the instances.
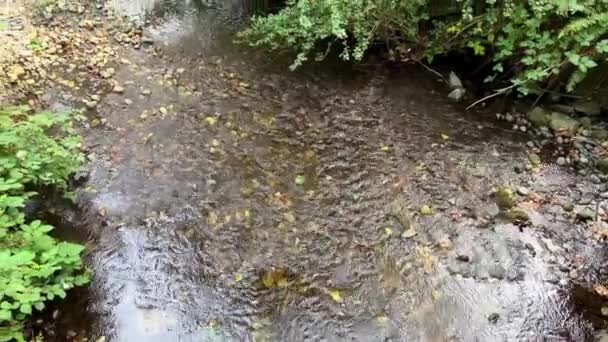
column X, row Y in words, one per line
column 34, row 267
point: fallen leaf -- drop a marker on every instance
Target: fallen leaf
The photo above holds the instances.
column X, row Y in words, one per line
column 238, row 277
column 211, row 120
column 300, row 180
column 388, row 231
column 336, row 296
column 384, row 148
column 445, row 136
column 426, row 210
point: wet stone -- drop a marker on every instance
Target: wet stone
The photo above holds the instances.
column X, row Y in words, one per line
column 568, row 206
column 586, row 214
column 497, row 271
column 493, row 318
column 561, row 161
column 523, row 191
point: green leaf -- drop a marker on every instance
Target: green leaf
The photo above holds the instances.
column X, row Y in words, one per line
column 26, row 309
column 300, row 180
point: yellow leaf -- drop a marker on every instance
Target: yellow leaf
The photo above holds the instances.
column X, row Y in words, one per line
column 384, row 148
column 238, row 277
column 388, row 231
column 211, row 120
column 445, row 136
column 336, row 296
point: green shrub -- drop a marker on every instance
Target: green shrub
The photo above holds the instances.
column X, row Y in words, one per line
column 536, row 43
column 34, row 267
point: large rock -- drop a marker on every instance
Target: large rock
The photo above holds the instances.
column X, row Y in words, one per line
column 590, row 108
column 602, row 165
column 560, row 121
column 539, row 117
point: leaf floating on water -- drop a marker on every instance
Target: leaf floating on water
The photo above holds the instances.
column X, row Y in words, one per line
column 384, row 148
column 445, row 136
column 238, row 277
column 101, row 339
column 388, row 231
column 211, row 120
column 300, row 180
column 336, row 296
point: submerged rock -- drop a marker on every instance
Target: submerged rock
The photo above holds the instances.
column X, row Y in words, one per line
column 504, row 198
column 539, row 117
column 590, row 108
column 560, row 121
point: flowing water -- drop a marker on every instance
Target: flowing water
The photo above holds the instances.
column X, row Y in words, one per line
column 241, row 202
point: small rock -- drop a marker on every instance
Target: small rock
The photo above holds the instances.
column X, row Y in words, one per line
column 146, row 91
column 457, row 94
column 91, row 104
column 604, row 310
column 128, row 102
column 604, row 195
column 559, row 140
column 107, row 73
column 72, row 333
column 509, row 117
column 534, row 159
column 561, row 161
column 568, row 206
column 497, row 271
column 573, row 274
column 586, row 214
column 530, row 144
column 409, row 233
column 504, row 198
column 523, row 128
column 147, row 40
column 493, row 318
column 523, row 191
column 564, row 268
column 518, row 216
column 454, row 81
column 118, row 89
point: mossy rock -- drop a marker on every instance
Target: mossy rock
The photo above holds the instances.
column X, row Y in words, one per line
column 504, row 198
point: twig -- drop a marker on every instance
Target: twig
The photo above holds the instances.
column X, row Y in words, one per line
column 431, row 70
column 498, row 92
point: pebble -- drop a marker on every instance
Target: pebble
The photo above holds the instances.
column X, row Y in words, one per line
column 118, row 89
column 561, row 161
column 493, row 318
column 586, row 214
column 583, row 160
column 564, row 268
column 568, row 206
column 497, row 271
column 595, row 179
column 523, row 128
column 91, row 104
column 534, row 159
column 146, row 91
column 128, row 102
column 530, row 144
column 604, row 195
column 560, row 140
column 523, row 191
column 509, row 118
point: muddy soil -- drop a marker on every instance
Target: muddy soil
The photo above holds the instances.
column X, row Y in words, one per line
column 229, row 199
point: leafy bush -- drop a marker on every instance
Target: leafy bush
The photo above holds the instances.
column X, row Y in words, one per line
column 34, row 267
column 537, row 43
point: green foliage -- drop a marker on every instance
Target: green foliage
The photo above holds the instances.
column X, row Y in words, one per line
column 34, row 267
column 536, row 42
